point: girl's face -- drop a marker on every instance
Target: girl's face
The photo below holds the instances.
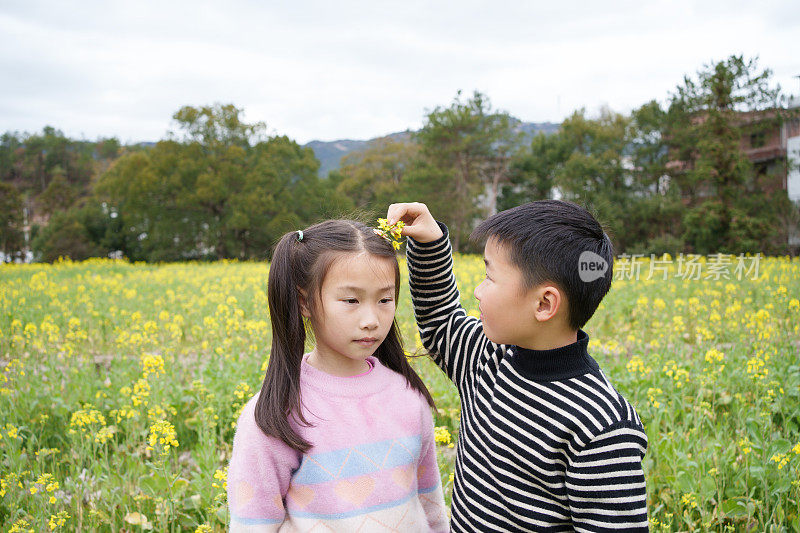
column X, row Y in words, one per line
column 354, row 313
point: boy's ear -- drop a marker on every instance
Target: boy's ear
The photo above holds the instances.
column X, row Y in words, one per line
column 547, row 300
column 303, row 303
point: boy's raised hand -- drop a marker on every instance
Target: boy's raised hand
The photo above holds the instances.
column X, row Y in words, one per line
column 420, row 224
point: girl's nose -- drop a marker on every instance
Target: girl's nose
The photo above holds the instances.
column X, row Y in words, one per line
column 369, row 320
column 477, row 291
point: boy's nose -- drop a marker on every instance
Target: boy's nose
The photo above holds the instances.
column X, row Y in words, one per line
column 477, row 292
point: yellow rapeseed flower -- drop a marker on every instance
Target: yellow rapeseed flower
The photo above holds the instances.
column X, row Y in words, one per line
column 221, row 475
column 163, row 436
column 105, row 434
column 152, row 365
column 58, row 520
column 714, row 356
column 689, row 500
column 86, row 419
column 442, row 435
column 781, row 459
column 21, row 526
column 391, row 232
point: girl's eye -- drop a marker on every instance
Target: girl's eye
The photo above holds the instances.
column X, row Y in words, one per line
column 351, row 300
column 386, row 300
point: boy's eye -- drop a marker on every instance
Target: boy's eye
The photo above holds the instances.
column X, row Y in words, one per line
column 386, row 300
column 351, row 300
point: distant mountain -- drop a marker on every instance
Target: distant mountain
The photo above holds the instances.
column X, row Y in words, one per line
column 330, row 153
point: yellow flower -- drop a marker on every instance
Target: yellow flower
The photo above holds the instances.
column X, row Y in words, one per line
column 162, row 434
column 781, row 459
column 58, row 520
column 86, row 419
column 689, row 500
column 141, row 390
column 652, row 394
column 392, row 233
column 152, row 365
column 745, row 444
column 21, row 526
column 12, row 432
column 242, row 391
column 442, row 435
column 636, row 366
column 105, row 434
column 221, row 475
column 714, row 356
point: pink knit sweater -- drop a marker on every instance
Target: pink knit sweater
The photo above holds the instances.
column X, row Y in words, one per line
column 372, row 466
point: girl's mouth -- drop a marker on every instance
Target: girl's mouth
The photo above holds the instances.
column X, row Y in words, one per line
column 367, row 341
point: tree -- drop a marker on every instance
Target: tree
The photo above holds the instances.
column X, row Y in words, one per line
column 58, row 196
column 534, row 170
column 375, row 177
column 216, row 128
column 11, row 219
column 704, row 127
column 475, row 145
column 614, row 165
column 68, row 234
column 653, row 221
column 218, row 189
column 597, row 173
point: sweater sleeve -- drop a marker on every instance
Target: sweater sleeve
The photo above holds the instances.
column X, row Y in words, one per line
column 259, row 472
column 429, row 481
column 605, row 481
column 454, row 339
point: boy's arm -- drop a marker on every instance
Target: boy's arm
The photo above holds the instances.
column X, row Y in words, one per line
column 605, row 481
column 259, row 472
column 454, row 339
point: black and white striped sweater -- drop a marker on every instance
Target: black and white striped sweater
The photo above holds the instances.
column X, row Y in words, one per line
column 546, row 443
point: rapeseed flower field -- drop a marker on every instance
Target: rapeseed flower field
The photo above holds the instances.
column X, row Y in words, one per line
column 120, row 386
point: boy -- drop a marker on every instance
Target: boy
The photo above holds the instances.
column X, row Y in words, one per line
column 546, row 443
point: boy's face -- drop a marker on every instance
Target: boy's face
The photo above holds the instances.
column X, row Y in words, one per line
column 507, row 307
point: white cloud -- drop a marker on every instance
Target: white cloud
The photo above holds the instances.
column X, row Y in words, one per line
column 328, row 70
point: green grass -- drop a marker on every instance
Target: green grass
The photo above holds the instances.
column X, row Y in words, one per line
column 103, row 344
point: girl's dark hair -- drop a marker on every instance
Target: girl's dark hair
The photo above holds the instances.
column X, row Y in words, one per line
column 302, row 265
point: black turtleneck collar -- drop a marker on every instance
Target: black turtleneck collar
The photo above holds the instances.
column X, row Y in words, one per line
column 560, row 363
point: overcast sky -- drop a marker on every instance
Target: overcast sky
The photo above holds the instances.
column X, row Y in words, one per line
column 345, row 69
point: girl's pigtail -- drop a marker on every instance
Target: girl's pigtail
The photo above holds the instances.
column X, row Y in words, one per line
column 279, row 398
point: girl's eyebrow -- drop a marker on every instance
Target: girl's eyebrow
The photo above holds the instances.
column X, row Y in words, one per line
column 361, row 289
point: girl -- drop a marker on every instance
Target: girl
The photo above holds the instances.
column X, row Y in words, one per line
column 341, row 438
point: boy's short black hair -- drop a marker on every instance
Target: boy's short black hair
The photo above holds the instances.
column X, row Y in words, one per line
column 545, row 240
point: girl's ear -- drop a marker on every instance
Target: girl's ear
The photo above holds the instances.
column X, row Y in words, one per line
column 303, row 303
